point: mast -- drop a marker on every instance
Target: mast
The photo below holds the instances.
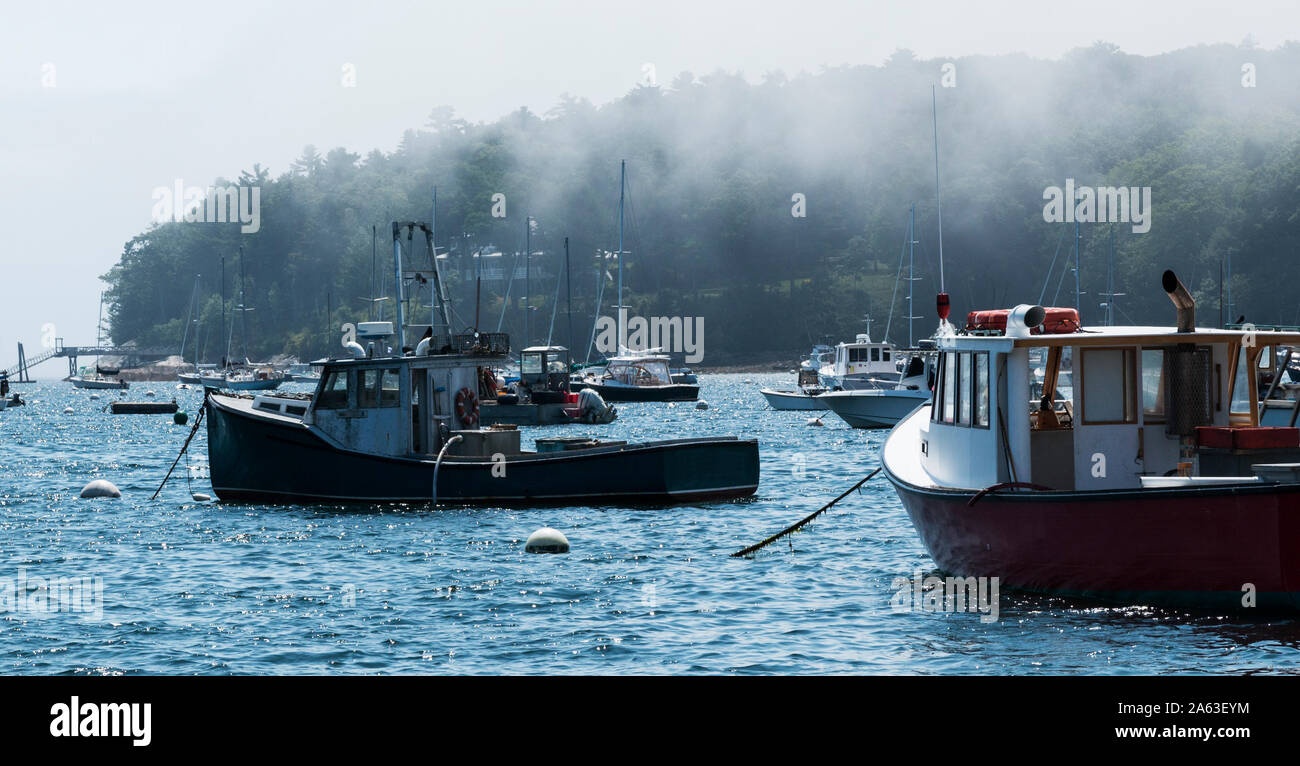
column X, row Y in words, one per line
column 225, row 359
column 397, row 283
column 555, row 304
column 568, row 291
column 911, row 273
column 528, row 272
column 189, row 321
column 622, row 183
column 1078, row 303
column 243, row 309
column 374, row 251
column 941, row 300
column 99, row 330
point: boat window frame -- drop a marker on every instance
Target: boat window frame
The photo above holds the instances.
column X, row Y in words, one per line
column 976, row 396
column 349, row 389
column 966, row 388
column 1162, row 416
column 950, row 389
column 1129, row 377
column 376, row 399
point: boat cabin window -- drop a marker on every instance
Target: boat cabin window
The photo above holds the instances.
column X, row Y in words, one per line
column 964, row 389
column 379, row 388
column 1241, row 385
column 949, row 387
column 530, row 363
column 333, row 391
column 884, row 355
column 962, row 394
column 1109, row 395
column 1153, row 385
column 875, row 355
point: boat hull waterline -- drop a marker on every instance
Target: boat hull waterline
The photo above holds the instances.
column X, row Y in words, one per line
column 257, row 458
column 1185, row 547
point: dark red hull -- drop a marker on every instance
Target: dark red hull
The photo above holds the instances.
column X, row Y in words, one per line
column 1190, row 548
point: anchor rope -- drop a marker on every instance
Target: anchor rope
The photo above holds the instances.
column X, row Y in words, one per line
column 203, row 408
column 803, row 522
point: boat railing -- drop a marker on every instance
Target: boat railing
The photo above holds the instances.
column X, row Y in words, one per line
column 488, row 343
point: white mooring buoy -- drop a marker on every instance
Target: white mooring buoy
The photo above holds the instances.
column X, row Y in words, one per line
column 701, row 405
column 150, row 394
column 68, row 410
column 199, row 497
column 815, row 422
column 100, row 488
column 94, row 397
column 547, row 540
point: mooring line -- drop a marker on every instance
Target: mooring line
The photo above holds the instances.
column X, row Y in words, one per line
column 795, row 527
column 202, row 409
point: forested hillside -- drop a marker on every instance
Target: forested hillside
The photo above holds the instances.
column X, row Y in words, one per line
column 713, row 162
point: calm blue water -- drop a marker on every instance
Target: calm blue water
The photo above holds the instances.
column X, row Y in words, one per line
column 209, row 588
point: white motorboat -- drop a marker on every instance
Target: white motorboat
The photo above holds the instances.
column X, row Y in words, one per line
column 885, row 407
column 861, row 365
column 807, row 396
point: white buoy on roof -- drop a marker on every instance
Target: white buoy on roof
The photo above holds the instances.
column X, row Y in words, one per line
column 100, row 488
column 701, row 405
column 547, row 540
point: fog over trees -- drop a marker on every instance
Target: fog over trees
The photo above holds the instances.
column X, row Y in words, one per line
column 714, row 163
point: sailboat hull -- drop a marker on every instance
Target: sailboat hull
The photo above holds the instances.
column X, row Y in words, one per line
column 256, row 458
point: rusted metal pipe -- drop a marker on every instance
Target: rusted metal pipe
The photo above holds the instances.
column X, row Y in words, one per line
column 1183, row 301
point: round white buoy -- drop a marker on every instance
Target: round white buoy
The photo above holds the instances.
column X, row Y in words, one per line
column 94, row 397
column 547, row 540
column 701, row 405
column 815, row 422
column 100, row 488
column 201, row 498
column 68, row 410
column 150, row 394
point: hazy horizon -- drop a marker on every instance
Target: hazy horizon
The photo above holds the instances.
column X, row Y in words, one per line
column 146, row 93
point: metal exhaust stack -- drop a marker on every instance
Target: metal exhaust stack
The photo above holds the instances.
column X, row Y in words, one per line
column 1183, row 301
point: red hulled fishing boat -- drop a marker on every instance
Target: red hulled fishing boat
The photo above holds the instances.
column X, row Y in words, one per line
column 1125, row 464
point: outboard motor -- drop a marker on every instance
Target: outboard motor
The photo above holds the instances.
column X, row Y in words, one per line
column 592, row 407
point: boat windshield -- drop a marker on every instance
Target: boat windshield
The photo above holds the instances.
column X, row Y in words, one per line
column 640, row 372
column 334, row 391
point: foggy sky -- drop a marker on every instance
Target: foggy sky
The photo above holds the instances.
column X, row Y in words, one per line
column 146, row 93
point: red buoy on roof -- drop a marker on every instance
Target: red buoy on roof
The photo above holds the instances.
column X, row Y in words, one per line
column 1058, row 321
column 943, row 306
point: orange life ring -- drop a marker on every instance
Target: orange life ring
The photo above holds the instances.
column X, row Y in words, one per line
column 467, row 406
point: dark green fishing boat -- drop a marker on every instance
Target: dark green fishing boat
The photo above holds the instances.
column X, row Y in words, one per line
column 404, row 427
